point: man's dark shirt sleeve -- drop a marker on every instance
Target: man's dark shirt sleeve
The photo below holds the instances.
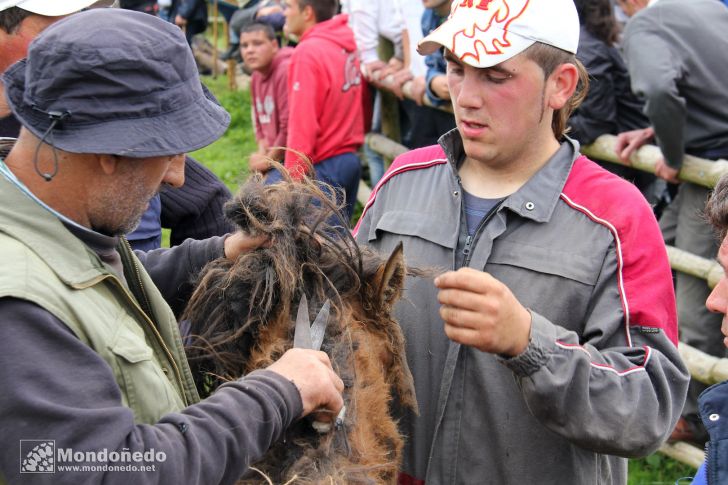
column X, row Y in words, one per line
column 57, row 388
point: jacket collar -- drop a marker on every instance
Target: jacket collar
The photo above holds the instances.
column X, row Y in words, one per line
column 45, row 235
column 538, row 197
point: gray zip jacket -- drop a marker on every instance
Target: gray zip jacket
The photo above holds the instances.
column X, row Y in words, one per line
column 601, row 378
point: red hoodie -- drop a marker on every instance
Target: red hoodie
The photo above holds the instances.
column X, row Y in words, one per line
column 324, row 94
column 269, row 96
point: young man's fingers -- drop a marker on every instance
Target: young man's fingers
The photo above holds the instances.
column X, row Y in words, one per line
column 460, row 318
column 465, row 336
column 468, row 279
column 466, row 300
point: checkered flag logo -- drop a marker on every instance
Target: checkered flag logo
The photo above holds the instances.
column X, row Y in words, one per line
column 37, row 456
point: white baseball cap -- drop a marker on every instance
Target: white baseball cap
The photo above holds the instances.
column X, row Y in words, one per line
column 54, row 8
column 483, row 33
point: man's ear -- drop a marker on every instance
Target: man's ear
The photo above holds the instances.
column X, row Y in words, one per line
column 308, row 14
column 561, row 84
column 108, row 163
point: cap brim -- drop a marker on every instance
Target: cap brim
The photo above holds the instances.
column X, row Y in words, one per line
column 184, row 130
column 472, row 51
column 55, row 8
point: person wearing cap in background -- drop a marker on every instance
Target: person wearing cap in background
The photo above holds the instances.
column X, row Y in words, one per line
column 91, row 356
column 549, row 354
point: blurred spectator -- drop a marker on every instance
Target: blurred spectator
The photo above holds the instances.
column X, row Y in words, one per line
column 146, row 6
column 610, row 106
column 436, row 12
column 268, row 91
column 426, row 125
column 324, row 97
column 677, row 54
column 369, row 21
column 190, row 15
column 266, row 12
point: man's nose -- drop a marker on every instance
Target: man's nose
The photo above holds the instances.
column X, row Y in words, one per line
column 718, row 298
column 175, row 175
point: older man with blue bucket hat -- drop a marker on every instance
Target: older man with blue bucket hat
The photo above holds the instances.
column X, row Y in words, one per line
column 91, row 361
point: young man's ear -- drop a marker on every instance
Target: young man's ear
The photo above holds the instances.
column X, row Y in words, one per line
column 561, row 84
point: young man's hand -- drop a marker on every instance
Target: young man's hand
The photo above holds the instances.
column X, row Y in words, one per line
column 318, row 384
column 481, row 312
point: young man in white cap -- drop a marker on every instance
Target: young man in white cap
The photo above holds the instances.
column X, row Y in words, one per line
column 548, row 355
column 91, row 359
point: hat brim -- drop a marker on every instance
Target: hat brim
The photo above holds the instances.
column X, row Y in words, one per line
column 184, row 130
column 54, row 8
column 472, row 50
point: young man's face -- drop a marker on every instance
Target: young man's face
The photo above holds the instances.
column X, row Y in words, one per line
column 718, row 300
column 257, row 50
column 500, row 111
column 295, row 20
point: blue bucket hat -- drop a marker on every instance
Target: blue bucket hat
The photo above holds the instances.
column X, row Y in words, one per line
column 113, row 81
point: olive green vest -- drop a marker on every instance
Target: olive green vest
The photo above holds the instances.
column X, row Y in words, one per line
column 133, row 329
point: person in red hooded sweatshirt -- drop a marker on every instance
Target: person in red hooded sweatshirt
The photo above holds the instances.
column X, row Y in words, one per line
column 325, row 121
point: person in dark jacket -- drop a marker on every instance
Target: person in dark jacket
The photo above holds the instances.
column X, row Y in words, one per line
column 190, row 15
column 713, row 402
column 610, row 107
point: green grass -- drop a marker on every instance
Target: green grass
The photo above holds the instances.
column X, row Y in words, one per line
column 228, row 159
column 658, row 469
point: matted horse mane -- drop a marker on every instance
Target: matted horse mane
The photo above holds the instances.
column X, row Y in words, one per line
column 242, row 317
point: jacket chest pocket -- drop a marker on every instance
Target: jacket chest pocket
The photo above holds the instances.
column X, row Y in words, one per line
column 552, row 282
column 144, row 384
column 428, row 240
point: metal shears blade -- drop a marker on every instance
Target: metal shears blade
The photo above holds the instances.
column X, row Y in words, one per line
column 307, row 335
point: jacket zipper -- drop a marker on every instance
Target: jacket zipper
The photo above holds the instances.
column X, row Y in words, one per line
column 470, row 240
column 151, row 324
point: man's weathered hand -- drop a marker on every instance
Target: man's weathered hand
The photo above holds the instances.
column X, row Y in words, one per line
column 318, row 384
column 238, row 243
column 481, row 312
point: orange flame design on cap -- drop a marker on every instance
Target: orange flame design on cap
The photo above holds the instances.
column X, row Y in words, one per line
column 481, row 36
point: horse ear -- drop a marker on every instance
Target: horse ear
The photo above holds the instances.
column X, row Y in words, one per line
column 390, row 279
